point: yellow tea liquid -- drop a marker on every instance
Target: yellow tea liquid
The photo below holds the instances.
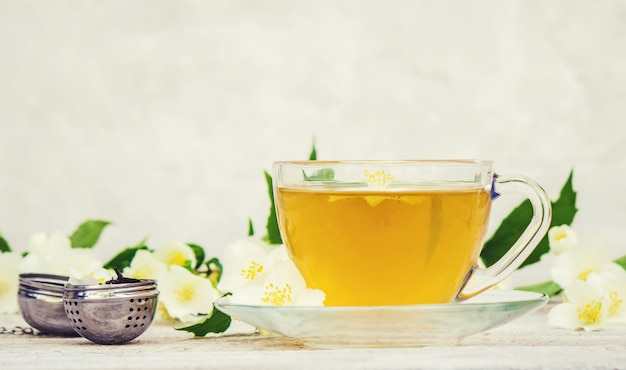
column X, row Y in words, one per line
column 380, row 247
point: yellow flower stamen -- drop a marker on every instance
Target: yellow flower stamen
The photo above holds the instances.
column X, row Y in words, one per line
column 560, row 236
column 100, row 279
column 252, row 271
column 277, row 296
column 584, row 274
column 616, row 302
column 590, row 313
column 186, row 293
column 176, row 258
column 378, row 179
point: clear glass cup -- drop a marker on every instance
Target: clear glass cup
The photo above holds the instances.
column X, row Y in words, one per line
column 398, row 232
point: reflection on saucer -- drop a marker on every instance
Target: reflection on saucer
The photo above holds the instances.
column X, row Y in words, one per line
column 389, row 326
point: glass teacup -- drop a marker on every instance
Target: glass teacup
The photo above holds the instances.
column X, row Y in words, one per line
column 398, row 232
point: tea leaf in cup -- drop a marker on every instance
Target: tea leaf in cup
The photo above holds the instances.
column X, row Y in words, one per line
column 324, row 174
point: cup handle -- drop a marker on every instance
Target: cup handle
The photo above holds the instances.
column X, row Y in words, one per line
column 481, row 279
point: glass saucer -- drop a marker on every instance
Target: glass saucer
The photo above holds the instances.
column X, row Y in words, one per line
column 388, row 326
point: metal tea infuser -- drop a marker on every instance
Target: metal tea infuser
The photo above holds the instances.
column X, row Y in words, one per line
column 112, row 313
column 40, row 300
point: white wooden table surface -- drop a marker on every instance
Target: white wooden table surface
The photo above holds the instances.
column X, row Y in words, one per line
column 527, row 343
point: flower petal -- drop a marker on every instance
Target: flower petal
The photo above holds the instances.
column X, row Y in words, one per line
column 9, row 281
column 248, row 295
column 244, row 263
column 591, row 305
column 186, row 295
column 564, row 315
column 145, row 266
column 562, row 238
column 175, row 253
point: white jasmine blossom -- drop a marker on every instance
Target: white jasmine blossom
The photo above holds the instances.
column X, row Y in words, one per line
column 174, row 253
column 281, row 285
column 613, row 285
column 285, row 278
column 185, row 295
column 245, row 263
column 594, row 286
column 53, row 254
column 578, row 263
column 145, row 266
column 42, row 243
column 586, row 307
column 97, row 277
column 9, row 281
column 47, row 254
column 84, row 261
column 562, row 238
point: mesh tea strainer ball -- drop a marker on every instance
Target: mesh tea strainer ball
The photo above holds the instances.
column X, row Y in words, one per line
column 40, row 299
column 111, row 313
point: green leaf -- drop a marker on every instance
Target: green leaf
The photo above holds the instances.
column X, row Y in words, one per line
column 512, row 227
column 200, row 255
column 250, row 228
column 323, row 174
column 88, row 233
column 313, row 155
column 273, row 233
column 4, row 245
column 125, row 257
column 217, row 322
column 549, row 288
column 187, row 266
column 507, row 233
column 319, row 175
column 214, row 268
column 621, row 261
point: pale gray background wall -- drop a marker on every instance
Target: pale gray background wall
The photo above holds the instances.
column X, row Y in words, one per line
column 162, row 115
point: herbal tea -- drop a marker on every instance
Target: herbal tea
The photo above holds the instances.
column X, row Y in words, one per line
column 384, row 247
column 399, row 232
